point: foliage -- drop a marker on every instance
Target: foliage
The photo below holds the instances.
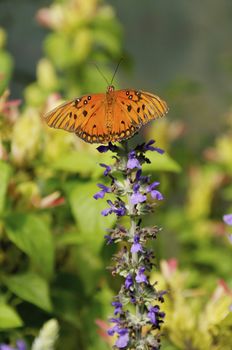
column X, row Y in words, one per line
column 52, row 255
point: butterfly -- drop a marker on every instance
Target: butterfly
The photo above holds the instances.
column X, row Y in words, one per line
column 101, row 118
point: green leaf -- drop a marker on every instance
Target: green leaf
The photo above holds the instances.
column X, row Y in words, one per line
column 9, row 317
column 32, row 235
column 161, row 162
column 87, row 212
column 6, row 67
column 30, row 287
column 5, row 172
column 82, row 162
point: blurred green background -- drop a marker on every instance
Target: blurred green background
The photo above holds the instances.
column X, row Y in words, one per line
column 179, row 50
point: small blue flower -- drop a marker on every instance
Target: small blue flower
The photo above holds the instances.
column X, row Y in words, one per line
column 154, row 193
column 148, row 147
column 141, row 277
column 109, row 239
column 119, row 209
column 101, row 194
column 128, row 281
column 228, row 219
column 123, row 338
column 133, row 162
column 155, row 315
column 118, row 307
column 107, row 167
column 137, row 197
column 136, row 246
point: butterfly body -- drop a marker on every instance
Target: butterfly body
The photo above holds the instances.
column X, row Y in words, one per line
column 101, row 118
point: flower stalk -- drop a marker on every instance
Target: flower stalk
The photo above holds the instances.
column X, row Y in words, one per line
column 137, row 316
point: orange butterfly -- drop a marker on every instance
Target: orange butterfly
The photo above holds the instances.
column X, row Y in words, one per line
column 101, row 118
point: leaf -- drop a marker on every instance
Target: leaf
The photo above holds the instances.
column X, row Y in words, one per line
column 87, row 213
column 161, row 162
column 5, row 172
column 9, row 317
column 30, row 287
column 84, row 162
column 32, row 235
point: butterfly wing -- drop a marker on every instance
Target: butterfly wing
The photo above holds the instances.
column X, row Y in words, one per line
column 83, row 116
column 132, row 110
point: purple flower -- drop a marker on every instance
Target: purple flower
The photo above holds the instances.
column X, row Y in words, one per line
column 141, row 277
column 137, row 197
column 109, row 147
column 104, row 190
column 118, row 307
column 109, row 239
column 6, row 347
column 143, row 179
column 228, row 219
column 119, row 208
column 136, row 246
column 21, row 345
column 155, row 315
column 128, row 281
column 148, row 147
column 123, row 338
column 154, row 193
column 107, row 167
column 133, row 162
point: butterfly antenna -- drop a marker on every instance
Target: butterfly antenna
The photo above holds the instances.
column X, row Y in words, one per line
column 101, row 74
column 116, row 69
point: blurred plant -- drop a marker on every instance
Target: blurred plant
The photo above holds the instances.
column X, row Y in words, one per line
column 6, row 63
column 194, row 320
column 139, row 317
column 44, row 341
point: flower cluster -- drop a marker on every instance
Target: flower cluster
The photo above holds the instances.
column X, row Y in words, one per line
column 137, row 315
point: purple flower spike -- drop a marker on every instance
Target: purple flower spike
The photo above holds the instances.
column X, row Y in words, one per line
column 123, row 338
column 128, row 281
column 104, row 190
column 118, row 307
column 107, row 167
column 140, row 277
column 136, row 246
column 228, row 219
column 133, row 161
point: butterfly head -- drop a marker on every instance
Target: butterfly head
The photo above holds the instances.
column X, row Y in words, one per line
column 110, row 88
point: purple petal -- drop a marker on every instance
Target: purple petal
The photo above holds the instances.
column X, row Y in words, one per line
column 106, row 211
column 100, row 194
column 122, row 340
column 152, row 186
column 157, row 195
column 136, row 247
column 149, row 147
column 133, row 163
column 107, row 167
column 228, row 219
column 137, row 198
column 21, row 345
column 128, row 281
column 103, row 149
column 140, row 277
